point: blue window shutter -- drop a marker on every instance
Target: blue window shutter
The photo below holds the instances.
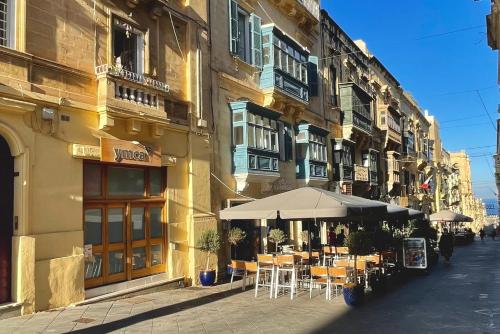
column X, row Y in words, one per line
column 312, row 73
column 256, row 42
column 233, row 26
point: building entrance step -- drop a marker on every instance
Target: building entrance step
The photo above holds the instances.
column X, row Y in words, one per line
column 140, row 286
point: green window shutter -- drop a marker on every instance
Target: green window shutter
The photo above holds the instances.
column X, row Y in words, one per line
column 233, row 26
column 255, row 22
column 312, row 74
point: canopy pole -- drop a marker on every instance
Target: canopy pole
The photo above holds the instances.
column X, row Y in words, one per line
column 309, row 238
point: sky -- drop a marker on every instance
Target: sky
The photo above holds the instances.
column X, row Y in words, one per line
column 438, row 51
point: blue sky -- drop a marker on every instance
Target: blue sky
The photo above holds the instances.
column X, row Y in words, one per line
column 442, row 72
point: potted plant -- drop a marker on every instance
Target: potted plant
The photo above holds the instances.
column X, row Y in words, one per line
column 235, row 236
column 381, row 241
column 208, row 242
column 359, row 244
column 276, row 236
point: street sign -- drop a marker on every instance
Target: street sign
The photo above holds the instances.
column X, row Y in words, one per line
column 414, row 253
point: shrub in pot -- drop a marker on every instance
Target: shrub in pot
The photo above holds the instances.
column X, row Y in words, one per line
column 235, row 236
column 359, row 243
column 208, row 242
column 276, row 236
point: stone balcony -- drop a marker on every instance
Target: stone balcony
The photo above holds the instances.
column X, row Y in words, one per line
column 305, row 12
column 127, row 95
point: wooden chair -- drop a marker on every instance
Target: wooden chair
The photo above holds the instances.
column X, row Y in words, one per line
column 319, row 277
column 238, row 270
column 266, row 268
column 286, row 266
column 338, row 278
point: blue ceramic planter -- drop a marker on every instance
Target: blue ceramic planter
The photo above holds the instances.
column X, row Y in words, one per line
column 207, row 278
column 354, row 296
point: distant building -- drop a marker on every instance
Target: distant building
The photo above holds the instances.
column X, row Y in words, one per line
column 493, row 27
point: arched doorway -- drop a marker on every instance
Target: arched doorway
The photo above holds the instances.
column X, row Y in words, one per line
column 6, row 218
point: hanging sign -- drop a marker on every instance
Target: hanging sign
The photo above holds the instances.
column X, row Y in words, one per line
column 414, row 253
column 126, row 152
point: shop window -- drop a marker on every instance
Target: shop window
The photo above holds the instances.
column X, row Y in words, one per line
column 7, row 19
column 155, row 182
column 113, row 248
column 128, row 47
column 138, row 225
column 155, row 221
column 124, row 181
column 156, row 254
column 139, row 258
column 93, row 266
column 116, row 260
column 115, row 225
column 93, row 226
column 245, row 33
column 92, row 176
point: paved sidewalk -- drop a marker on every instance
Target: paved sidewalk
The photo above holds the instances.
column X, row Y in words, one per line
column 190, row 310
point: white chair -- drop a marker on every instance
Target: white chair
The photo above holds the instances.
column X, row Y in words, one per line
column 265, row 273
column 286, row 266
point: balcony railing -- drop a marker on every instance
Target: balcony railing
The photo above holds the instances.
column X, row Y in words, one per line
column 133, row 94
column 131, row 76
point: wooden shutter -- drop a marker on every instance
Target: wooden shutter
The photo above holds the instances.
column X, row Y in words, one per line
column 233, row 26
column 256, row 42
column 312, row 73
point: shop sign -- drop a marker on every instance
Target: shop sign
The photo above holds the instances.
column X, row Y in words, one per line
column 361, row 173
column 86, row 151
column 414, row 253
column 121, row 151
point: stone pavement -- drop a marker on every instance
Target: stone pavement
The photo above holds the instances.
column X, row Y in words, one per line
column 189, row 310
column 463, row 297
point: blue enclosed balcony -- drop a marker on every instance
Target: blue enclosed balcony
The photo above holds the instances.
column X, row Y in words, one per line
column 311, row 158
column 286, row 69
column 355, row 103
column 256, row 150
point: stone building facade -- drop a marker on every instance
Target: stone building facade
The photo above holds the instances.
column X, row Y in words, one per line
column 103, row 128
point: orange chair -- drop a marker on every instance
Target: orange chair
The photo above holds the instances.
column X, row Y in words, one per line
column 266, row 268
column 319, row 277
column 286, row 264
column 338, row 277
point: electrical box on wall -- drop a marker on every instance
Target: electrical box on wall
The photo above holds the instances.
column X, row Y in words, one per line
column 48, row 114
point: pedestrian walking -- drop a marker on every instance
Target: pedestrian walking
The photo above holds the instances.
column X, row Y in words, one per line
column 493, row 234
column 446, row 245
column 482, row 234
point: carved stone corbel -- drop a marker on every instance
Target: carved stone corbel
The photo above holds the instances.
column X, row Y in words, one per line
column 156, row 12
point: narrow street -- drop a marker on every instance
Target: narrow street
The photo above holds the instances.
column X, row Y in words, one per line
column 463, row 297
column 460, row 298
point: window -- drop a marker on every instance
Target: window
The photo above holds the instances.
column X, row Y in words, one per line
column 245, row 35
column 128, row 47
column 317, row 148
column 262, row 133
column 7, row 11
column 285, row 141
column 333, row 83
